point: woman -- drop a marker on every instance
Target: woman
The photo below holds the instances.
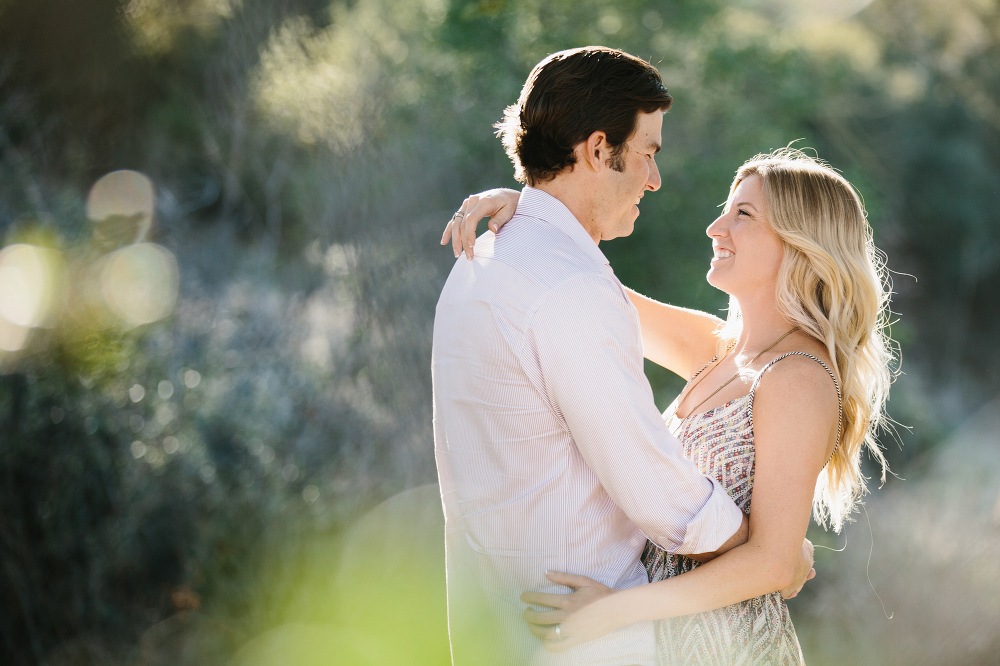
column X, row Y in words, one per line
column 782, row 398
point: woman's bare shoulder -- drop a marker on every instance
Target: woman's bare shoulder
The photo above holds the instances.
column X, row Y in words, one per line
column 797, row 389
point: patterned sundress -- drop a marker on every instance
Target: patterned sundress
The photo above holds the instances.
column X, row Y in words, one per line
column 754, row 632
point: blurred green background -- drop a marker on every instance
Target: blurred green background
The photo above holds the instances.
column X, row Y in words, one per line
column 220, row 224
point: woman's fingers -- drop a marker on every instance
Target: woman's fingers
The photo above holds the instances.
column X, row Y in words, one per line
column 545, row 617
column 569, row 580
column 498, row 205
column 545, row 599
column 458, row 222
column 503, row 207
column 543, row 632
column 559, row 644
column 450, row 226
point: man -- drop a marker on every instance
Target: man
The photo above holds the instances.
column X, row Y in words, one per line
column 551, row 453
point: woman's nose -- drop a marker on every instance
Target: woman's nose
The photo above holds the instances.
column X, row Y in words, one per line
column 717, row 228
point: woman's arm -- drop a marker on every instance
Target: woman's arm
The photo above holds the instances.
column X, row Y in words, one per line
column 795, row 425
column 679, row 339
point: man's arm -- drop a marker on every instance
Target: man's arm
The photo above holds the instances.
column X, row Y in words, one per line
column 587, row 341
column 738, row 539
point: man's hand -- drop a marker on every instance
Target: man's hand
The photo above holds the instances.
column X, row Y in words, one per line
column 803, row 570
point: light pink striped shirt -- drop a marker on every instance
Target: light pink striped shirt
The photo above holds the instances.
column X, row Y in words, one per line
column 550, row 451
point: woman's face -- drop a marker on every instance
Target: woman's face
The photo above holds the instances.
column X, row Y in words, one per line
column 747, row 252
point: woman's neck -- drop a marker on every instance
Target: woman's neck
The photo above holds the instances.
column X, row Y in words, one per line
column 762, row 325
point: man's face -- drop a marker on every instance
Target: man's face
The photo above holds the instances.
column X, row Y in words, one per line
column 624, row 188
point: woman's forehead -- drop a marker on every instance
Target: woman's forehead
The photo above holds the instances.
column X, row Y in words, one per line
column 750, row 188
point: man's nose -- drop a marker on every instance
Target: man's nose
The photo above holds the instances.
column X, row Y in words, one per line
column 653, row 182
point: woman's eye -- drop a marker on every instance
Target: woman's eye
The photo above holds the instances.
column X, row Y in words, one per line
column 740, row 211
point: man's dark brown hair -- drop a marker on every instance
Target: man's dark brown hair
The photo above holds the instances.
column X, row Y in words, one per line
column 569, row 96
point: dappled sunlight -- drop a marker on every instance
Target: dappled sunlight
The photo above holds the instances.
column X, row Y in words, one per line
column 324, row 85
column 157, row 23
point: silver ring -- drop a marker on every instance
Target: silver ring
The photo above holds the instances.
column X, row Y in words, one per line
column 458, row 215
column 558, row 632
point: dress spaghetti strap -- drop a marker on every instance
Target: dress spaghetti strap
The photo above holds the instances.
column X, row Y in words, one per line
column 836, row 384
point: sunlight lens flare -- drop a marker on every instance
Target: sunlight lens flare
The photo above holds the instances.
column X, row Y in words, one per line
column 121, row 203
column 29, row 286
column 139, row 283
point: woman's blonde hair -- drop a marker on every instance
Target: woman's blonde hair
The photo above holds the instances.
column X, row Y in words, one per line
column 832, row 283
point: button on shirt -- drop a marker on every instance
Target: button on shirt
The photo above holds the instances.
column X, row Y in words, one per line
column 551, row 453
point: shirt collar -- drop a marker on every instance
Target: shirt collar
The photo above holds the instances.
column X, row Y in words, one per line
column 543, row 206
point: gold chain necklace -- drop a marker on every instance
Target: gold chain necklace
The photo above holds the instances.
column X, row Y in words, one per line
column 730, row 380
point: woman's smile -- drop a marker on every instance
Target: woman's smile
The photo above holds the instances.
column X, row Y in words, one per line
column 720, row 253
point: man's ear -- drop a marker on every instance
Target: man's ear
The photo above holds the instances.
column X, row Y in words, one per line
column 595, row 151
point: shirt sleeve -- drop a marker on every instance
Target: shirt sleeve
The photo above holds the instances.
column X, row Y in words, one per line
column 586, row 342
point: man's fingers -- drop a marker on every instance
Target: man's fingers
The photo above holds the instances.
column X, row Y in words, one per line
column 545, row 599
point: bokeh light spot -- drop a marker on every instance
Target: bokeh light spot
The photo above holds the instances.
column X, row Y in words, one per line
column 139, row 283
column 138, row 449
column 171, row 445
column 137, row 393
column 165, row 389
column 12, row 336
column 136, row 422
column 207, row 473
column 121, row 203
column 610, row 23
column 29, row 285
column 192, row 378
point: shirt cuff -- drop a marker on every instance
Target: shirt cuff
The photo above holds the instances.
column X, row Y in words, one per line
column 714, row 525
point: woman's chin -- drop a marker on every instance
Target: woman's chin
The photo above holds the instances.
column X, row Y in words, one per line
column 716, row 280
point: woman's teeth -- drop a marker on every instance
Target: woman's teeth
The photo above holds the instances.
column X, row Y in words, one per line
column 722, row 254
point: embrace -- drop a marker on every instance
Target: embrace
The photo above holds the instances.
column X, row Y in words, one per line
column 583, row 526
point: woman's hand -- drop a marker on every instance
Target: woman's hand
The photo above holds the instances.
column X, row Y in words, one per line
column 498, row 205
column 574, row 619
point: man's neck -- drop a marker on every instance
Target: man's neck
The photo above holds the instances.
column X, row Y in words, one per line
column 579, row 202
